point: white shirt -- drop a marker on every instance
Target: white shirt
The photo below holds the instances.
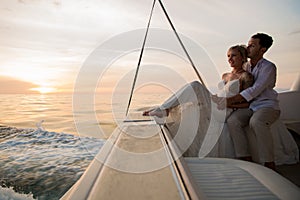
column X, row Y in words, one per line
column 262, row 94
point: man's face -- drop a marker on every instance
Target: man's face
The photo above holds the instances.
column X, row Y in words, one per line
column 254, row 49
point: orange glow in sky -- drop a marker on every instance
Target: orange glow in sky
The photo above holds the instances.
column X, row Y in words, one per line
column 43, row 44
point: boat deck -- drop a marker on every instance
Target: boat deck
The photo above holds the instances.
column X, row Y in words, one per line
column 135, row 163
column 138, row 162
column 221, row 178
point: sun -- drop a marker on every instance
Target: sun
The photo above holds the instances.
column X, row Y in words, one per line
column 44, row 90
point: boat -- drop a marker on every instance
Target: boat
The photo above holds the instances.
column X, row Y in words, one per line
column 140, row 160
column 124, row 169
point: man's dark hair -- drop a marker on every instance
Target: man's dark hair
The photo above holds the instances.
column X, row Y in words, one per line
column 264, row 40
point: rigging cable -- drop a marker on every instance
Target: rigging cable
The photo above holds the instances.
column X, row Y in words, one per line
column 140, row 58
column 143, row 46
column 181, row 43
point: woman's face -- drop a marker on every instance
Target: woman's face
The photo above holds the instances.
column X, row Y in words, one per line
column 235, row 58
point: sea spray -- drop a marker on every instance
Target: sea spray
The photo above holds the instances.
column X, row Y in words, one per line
column 9, row 194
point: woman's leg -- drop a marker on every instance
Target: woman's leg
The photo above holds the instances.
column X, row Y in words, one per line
column 193, row 92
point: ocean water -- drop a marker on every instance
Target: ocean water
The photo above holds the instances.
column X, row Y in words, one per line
column 42, row 163
column 41, row 153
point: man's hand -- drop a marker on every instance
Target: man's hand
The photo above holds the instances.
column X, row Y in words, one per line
column 236, row 101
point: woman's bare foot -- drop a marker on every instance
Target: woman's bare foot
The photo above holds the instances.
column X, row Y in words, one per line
column 146, row 113
column 157, row 112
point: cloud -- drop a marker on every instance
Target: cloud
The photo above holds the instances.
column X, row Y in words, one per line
column 47, row 41
column 13, row 86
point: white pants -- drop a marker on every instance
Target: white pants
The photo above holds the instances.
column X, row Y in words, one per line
column 260, row 122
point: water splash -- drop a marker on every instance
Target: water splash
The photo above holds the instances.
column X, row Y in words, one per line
column 39, row 125
column 9, row 193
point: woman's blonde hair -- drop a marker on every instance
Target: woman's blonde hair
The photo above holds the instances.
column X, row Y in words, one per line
column 242, row 49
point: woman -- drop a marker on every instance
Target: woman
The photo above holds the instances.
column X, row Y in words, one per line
column 205, row 120
column 232, row 83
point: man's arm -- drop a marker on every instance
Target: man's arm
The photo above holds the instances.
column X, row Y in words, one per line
column 266, row 77
column 237, row 101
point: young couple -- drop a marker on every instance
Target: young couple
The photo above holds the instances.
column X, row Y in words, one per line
column 248, row 91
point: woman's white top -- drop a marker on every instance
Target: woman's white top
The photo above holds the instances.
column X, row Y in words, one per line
column 228, row 89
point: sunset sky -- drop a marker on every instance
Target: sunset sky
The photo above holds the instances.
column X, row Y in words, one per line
column 44, row 43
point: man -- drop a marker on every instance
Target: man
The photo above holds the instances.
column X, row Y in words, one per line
column 264, row 107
